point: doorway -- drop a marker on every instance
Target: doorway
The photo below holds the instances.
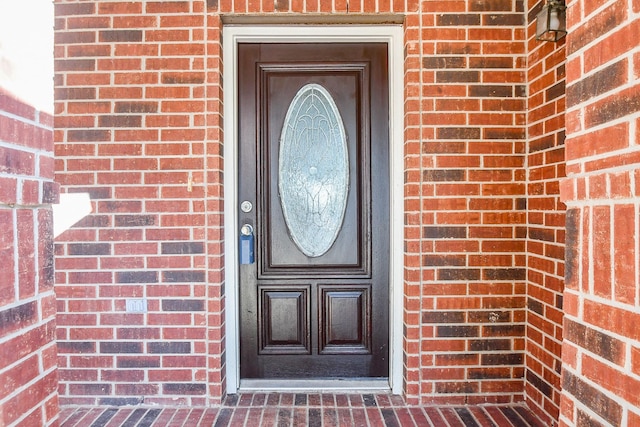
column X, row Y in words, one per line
column 299, row 309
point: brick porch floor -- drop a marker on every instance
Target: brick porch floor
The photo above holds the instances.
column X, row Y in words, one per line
column 313, row 410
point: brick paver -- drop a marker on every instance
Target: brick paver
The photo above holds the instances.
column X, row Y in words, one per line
column 302, row 409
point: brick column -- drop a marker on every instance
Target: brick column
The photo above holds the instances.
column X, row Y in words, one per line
column 601, row 350
column 28, row 369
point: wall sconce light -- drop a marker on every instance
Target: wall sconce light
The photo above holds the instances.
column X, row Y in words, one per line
column 551, row 22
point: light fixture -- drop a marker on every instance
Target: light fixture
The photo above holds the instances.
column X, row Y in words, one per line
column 551, row 23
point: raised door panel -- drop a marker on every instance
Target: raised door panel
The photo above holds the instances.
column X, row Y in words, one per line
column 284, row 320
column 345, row 319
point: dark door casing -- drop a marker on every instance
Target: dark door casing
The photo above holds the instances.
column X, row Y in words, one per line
column 326, row 316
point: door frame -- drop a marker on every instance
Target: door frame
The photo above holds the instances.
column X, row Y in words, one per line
column 393, row 35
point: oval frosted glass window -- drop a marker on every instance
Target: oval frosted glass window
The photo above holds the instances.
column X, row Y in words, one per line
column 313, row 172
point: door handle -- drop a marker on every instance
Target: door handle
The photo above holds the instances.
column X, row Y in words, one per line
column 247, row 243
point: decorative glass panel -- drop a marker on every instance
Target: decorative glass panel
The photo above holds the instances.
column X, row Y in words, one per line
column 313, row 170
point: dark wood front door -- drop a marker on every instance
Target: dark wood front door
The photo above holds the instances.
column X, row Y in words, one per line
column 314, row 168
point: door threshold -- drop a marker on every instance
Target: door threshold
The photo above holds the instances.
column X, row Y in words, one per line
column 352, row 385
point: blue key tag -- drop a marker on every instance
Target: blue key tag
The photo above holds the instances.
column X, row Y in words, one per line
column 246, row 245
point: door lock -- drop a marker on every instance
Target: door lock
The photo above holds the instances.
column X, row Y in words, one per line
column 246, row 206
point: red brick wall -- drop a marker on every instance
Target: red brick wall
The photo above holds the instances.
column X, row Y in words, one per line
column 28, row 375
column 137, row 116
column 601, row 351
column 134, row 131
column 545, row 219
column 465, row 202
